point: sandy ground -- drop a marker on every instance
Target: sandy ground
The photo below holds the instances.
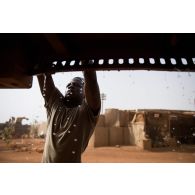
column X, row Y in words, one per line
column 30, row 150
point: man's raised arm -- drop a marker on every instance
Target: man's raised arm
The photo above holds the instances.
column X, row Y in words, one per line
column 92, row 92
column 46, row 84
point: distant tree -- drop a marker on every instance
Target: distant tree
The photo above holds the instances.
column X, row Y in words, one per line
column 8, row 130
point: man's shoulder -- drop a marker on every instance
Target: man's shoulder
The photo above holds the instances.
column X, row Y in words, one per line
column 54, row 99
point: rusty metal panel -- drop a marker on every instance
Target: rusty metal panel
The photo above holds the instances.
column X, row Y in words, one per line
column 29, row 54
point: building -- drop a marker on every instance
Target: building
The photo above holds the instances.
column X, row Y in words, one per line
column 144, row 128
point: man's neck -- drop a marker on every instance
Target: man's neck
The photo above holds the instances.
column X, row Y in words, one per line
column 71, row 103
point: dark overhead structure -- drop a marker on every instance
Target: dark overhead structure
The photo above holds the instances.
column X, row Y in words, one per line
column 25, row 55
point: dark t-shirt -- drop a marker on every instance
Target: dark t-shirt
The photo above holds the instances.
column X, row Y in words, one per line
column 68, row 131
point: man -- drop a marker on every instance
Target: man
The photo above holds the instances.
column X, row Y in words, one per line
column 71, row 118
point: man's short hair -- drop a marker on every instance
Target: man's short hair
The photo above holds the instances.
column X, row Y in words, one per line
column 80, row 79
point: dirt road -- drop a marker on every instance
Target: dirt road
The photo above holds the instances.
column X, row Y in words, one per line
column 29, row 150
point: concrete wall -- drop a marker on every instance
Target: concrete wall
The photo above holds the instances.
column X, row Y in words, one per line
column 116, row 118
column 123, row 118
column 112, row 128
column 126, row 136
column 131, row 116
column 101, row 136
column 115, row 128
column 111, row 117
column 115, row 136
column 137, row 133
column 105, row 136
column 101, row 121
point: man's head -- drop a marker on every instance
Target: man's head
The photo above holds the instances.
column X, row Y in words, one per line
column 74, row 93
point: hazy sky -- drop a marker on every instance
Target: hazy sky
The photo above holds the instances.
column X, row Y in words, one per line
column 124, row 90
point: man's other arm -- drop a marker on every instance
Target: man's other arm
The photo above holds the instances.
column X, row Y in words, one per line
column 92, row 92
